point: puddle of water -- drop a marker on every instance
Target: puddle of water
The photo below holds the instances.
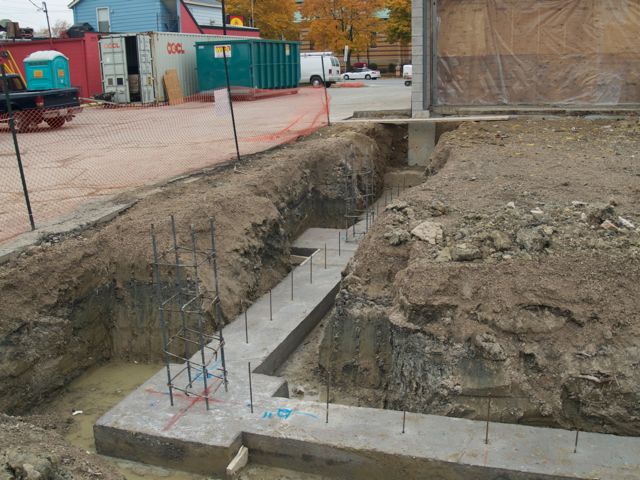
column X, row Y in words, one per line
column 95, row 393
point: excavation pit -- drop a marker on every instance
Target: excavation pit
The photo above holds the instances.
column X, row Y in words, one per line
column 344, row 441
column 103, row 309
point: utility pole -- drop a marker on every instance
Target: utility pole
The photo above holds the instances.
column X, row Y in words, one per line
column 224, row 18
column 46, row 12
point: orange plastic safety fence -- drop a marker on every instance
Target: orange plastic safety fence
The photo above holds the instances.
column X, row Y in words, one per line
column 75, row 157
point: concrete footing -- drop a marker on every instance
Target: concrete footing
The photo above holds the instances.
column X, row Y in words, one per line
column 356, row 443
column 422, row 142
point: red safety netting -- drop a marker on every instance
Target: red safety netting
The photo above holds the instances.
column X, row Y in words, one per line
column 73, row 159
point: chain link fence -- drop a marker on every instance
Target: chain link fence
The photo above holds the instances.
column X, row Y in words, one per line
column 73, row 157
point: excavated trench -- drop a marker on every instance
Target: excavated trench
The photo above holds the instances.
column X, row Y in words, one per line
column 498, row 282
column 407, row 331
column 75, row 302
column 79, row 323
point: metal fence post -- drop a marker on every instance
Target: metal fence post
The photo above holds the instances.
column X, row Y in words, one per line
column 233, row 115
column 12, row 127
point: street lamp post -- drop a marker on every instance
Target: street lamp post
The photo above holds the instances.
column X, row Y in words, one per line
column 46, row 12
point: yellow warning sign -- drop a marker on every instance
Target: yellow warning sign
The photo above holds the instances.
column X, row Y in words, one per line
column 37, row 74
column 222, row 50
column 60, row 73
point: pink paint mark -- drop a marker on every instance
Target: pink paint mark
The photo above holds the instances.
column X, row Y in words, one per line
column 192, row 401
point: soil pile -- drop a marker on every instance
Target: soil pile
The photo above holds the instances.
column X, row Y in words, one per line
column 37, row 451
column 512, row 273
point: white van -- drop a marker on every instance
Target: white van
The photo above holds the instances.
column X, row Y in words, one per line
column 311, row 67
column 407, row 74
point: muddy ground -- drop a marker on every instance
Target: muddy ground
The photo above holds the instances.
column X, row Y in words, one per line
column 511, row 274
column 74, row 301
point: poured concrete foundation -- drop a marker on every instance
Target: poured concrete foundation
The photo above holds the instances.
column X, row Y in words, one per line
column 358, row 443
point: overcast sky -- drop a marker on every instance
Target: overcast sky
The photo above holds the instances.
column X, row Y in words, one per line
column 27, row 14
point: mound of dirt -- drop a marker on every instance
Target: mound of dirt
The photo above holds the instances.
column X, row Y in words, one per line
column 511, row 274
column 34, row 450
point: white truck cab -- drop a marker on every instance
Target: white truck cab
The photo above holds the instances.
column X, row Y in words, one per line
column 311, row 68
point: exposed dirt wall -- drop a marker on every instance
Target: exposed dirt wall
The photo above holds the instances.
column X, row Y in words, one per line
column 513, row 274
column 71, row 302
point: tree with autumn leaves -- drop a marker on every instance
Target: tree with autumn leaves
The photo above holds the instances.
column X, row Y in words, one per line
column 334, row 24
column 331, row 24
column 399, row 22
column 274, row 18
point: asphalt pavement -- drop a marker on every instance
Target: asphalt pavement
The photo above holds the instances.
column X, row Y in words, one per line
column 382, row 94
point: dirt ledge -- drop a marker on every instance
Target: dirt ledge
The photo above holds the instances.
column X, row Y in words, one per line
column 513, row 274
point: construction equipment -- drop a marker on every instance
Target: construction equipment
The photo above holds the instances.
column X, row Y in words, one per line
column 10, row 65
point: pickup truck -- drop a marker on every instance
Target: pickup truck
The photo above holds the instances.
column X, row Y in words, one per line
column 31, row 107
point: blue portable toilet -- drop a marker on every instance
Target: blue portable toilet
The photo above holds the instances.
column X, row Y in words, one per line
column 47, row 70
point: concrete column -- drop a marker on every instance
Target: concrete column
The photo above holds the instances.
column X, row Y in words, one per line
column 422, row 142
column 422, row 136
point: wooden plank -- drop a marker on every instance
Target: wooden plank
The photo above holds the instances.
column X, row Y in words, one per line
column 402, row 121
column 173, row 87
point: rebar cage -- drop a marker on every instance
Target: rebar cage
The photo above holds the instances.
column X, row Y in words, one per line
column 359, row 198
column 192, row 341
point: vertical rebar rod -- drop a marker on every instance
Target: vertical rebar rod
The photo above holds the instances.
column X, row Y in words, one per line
column 328, row 392
column 217, row 312
column 205, row 372
column 366, row 214
column 180, row 298
column 246, row 325
column 223, row 360
column 575, row 447
column 292, row 270
column 326, row 94
column 354, row 229
column 233, row 115
column 486, row 435
column 250, row 389
column 339, row 243
column 325, row 256
column 367, row 191
column 329, row 369
column 311, row 269
column 404, row 420
column 270, row 306
column 12, row 127
column 163, row 327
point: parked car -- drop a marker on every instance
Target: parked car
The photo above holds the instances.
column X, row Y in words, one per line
column 311, row 68
column 31, row 107
column 362, row 74
column 407, row 74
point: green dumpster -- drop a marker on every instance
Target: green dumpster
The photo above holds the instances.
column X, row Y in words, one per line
column 254, row 64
